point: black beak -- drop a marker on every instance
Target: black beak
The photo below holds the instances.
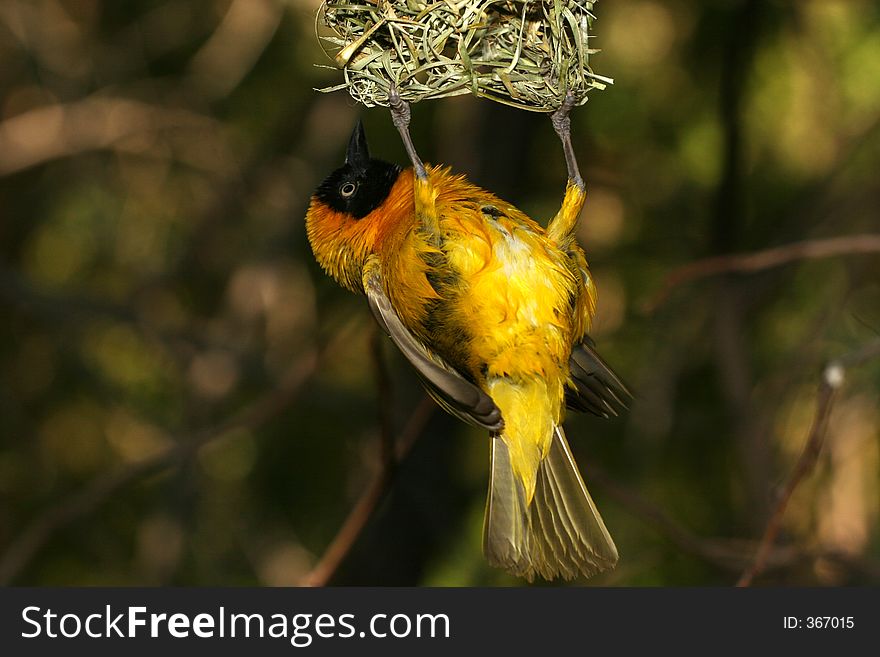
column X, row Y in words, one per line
column 358, row 155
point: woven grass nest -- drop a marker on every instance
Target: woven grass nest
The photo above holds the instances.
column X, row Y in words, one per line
column 525, row 53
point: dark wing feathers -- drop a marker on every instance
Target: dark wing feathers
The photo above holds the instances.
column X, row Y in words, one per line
column 595, row 387
column 449, row 388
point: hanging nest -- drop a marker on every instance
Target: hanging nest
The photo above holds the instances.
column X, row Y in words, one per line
column 525, row 53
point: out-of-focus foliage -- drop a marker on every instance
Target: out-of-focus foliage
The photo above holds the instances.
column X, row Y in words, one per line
column 156, row 161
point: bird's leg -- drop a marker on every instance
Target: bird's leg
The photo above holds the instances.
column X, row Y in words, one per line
column 424, row 196
column 562, row 227
column 400, row 116
column 562, row 125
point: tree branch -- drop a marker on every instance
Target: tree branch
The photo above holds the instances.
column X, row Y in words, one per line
column 368, row 502
column 745, row 263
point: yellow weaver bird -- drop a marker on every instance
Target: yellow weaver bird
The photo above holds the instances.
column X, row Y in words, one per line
column 492, row 311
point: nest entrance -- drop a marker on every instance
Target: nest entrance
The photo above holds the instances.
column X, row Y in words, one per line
column 525, row 53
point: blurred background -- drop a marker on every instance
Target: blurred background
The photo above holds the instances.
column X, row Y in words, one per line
column 186, row 399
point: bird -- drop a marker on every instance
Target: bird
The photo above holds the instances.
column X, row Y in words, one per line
column 493, row 312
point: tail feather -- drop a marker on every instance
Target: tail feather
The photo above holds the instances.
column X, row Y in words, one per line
column 559, row 534
column 504, row 531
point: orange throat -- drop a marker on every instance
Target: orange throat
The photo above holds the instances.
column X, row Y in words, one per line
column 342, row 243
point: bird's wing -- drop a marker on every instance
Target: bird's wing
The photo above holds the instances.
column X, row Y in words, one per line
column 450, row 389
column 594, row 387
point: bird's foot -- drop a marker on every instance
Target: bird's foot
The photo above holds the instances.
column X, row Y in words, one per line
column 562, row 125
column 400, row 116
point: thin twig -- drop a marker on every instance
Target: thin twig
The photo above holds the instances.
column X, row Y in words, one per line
column 726, row 553
column 719, row 552
column 804, row 466
column 80, row 504
column 832, row 380
column 744, row 263
column 368, row 502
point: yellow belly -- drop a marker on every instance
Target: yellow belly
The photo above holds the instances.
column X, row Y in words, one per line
column 516, row 304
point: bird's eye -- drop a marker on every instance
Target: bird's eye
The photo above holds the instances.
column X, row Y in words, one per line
column 348, row 189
